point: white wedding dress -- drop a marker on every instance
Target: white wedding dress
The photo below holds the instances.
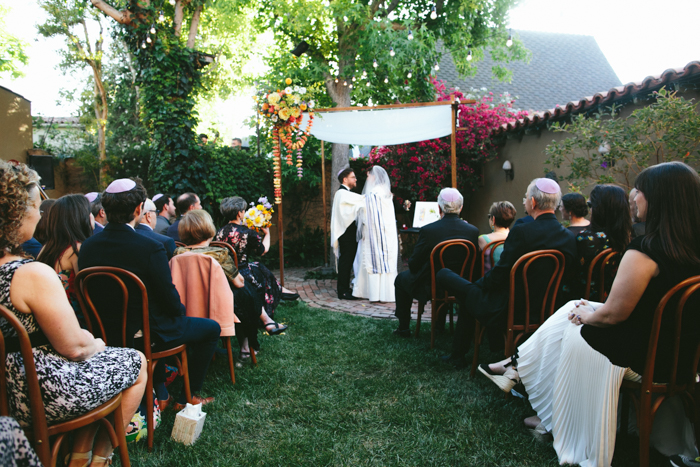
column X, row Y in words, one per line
column 575, row 392
column 376, row 261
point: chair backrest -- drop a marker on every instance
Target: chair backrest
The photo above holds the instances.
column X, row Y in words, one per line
column 682, row 292
column 462, row 254
column 489, row 252
column 121, row 279
column 40, row 439
column 179, row 244
column 231, row 251
column 549, row 265
column 597, row 270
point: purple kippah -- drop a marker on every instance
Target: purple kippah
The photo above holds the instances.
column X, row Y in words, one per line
column 157, row 197
column 547, row 185
column 450, row 195
column 120, row 186
column 341, row 171
column 92, row 196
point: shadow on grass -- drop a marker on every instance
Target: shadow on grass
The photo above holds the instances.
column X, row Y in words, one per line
column 340, row 390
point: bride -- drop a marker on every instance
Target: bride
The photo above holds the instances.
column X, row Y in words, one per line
column 378, row 247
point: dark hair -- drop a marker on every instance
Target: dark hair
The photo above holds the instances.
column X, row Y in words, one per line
column 230, row 207
column 238, row 139
column 672, row 192
column 162, row 201
column 503, row 213
column 41, row 233
column 185, row 201
column 69, row 224
column 575, row 203
column 344, row 173
column 610, row 213
column 120, row 206
column 96, row 206
column 203, row 135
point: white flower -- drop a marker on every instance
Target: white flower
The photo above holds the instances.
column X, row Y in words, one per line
column 296, row 88
column 311, row 104
column 288, row 90
column 296, row 99
column 274, row 118
column 302, row 90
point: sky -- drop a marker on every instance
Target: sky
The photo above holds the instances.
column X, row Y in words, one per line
column 638, row 37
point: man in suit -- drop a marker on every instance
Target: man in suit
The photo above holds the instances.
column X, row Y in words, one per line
column 638, row 227
column 415, row 283
column 487, row 299
column 347, row 242
column 97, row 211
column 120, row 246
column 147, row 224
column 185, row 202
column 166, row 213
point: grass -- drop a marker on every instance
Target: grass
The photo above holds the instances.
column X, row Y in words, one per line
column 340, row 390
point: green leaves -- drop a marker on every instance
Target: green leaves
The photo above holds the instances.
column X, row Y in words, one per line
column 12, row 54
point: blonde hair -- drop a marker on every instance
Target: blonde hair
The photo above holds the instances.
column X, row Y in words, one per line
column 195, row 227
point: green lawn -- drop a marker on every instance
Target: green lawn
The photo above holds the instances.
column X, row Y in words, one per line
column 339, row 390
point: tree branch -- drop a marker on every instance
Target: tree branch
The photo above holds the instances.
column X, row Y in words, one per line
column 121, row 17
column 179, row 16
column 87, row 37
column 194, row 25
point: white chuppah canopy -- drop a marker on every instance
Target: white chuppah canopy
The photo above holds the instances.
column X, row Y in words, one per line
column 383, row 127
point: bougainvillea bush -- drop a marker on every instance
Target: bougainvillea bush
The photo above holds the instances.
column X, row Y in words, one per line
column 418, row 171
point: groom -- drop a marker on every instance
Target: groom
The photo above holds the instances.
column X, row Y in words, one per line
column 345, row 231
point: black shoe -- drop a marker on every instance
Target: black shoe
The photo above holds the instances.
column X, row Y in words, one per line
column 683, row 461
column 278, row 329
column 402, row 332
column 290, row 297
column 457, row 362
column 348, row 296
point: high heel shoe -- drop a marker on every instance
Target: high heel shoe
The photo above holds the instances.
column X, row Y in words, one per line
column 278, row 329
column 507, row 380
column 79, row 456
column 289, row 296
column 104, row 460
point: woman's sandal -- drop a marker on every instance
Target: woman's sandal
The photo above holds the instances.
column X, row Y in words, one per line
column 105, row 461
column 79, row 456
column 277, row 330
column 507, row 380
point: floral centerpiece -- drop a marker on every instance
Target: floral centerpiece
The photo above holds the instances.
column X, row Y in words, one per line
column 259, row 216
column 283, row 110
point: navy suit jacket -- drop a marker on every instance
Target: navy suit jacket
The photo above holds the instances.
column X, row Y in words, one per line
column 98, row 228
column 489, row 299
column 167, row 242
column 120, row 246
column 448, row 228
column 172, row 230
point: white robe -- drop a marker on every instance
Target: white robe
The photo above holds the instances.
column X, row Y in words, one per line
column 346, row 206
column 377, row 251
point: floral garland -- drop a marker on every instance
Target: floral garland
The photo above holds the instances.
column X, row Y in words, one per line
column 283, row 109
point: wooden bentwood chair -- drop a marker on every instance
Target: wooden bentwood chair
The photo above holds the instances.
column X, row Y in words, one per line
column 120, row 277
column 684, row 385
column 178, row 244
column 456, row 247
column 40, row 432
column 543, row 308
column 597, row 269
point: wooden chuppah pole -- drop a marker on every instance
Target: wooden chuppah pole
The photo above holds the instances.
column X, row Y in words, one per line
column 453, row 143
column 280, row 220
column 325, row 214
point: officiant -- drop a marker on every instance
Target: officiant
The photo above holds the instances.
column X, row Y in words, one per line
column 344, row 230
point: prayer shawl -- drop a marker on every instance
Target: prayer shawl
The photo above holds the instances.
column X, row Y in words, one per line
column 379, row 242
column 346, row 206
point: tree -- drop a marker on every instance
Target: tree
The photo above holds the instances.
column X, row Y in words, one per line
column 12, row 53
column 392, row 45
column 605, row 148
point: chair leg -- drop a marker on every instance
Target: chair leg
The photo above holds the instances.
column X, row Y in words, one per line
column 421, row 309
column 186, row 376
column 253, row 358
column 478, row 333
column 150, row 428
column 450, row 310
column 230, row 360
column 121, row 437
column 644, row 423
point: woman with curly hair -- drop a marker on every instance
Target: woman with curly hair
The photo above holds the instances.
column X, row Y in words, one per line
column 76, row 372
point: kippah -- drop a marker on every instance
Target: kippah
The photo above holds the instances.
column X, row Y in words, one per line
column 450, row 195
column 547, row 185
column 157, row 197
column 120, row 186
column 92, row 196
column 341, row 171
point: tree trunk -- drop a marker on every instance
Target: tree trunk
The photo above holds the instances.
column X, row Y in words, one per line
column 101, row 117
column 341, row 152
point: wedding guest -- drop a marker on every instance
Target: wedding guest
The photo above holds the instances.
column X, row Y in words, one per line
column 76, row 372
column 166, row 213
column 147, row 225
column 237, row 143
column 344, row 230
column 501, row 216
column 415, row 283
column 185, row 202
column 33, row 245
column 487, row 299
column 574, row 209
column 97, row 210
column 584, row 350
column 638, row 226
column 246, row 242
column 120, row 246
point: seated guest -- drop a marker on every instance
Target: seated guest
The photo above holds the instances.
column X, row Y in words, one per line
column 246, row 242
column 573, row 366
column 33, row 245
column 68, row 227
column 638, row 226
column 487, row 299
column 415, row 283
column 97, row 210
column 76, row 372
column 185, row 202
column 610, row 227
column 574, row 209
column 166, row 213
column 147, row 226
column 197, row 231
column 501, row 216
column 120, row 246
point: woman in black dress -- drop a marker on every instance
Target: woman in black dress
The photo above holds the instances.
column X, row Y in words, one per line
column 248, row 242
